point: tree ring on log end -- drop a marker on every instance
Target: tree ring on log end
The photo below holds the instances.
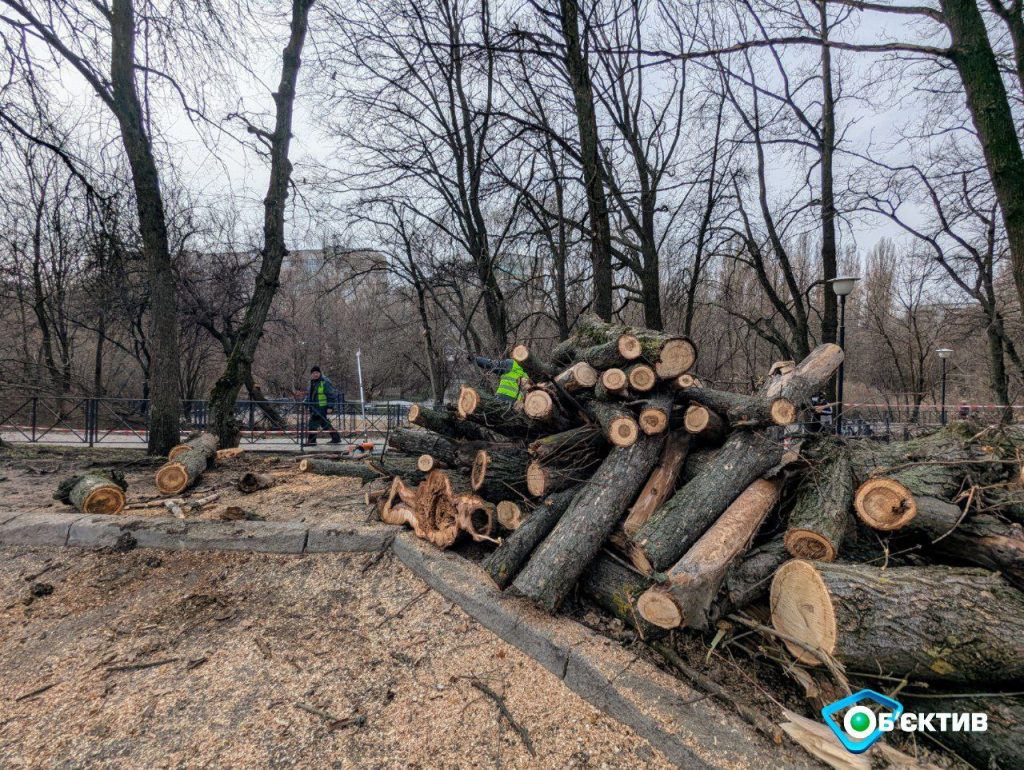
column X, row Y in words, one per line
column 509, row 514
column 536, row 479
column 684, row 381
column 642, row 378
column 177, row 450
column 105, row 499
column 629, row 347
column 304, row 465
column 538, row 405
column 614, row 379
column 658, row 607
column 884, row 504
column 425, row 463
column 802, row 608
column 805, row 544
column 783, row 411
column 696, row 419
column 520, row 353
column 468, row 401
column 677, row 357
column 414, row 413
column 653, row 421
column 172, row 478
column 479, row 471
column 623, row 431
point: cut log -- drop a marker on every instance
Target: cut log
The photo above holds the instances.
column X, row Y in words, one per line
column 787, row 393
column 932, row 623
column 422, row 442
column 541, row 406
column 614, row 587
column 205, row 442
column 427, row 463
column 821, row 515
column 739, row 411
column 557, row 564
column 568, row 447
column 890, row 502
column 475, row 516
column 499, row 476
column 660, row 484
column 654, row 415
column 505, row 562
column 536, row 368
column 678, row 355
column 493, row 413
column 93, row 492
column 543, row 480
column 510, row 514
column 677, row 525
column 641, row 378
column 352, row 469
column 618, row 425
column 684, row 381
column 612, row 385
column 450, row 426
column 705, row 424
column 435, row 513
column 693, row 582
column 188, row 466
column 253, row 482
column 749, row 579
column 617, row 352
column 581, row 376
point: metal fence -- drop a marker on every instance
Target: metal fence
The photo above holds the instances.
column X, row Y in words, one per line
column 91, row 421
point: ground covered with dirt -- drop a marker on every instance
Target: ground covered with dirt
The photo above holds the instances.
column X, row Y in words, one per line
column 151, row 659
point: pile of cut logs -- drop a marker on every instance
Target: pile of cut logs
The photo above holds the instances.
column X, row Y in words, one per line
column 675, row 505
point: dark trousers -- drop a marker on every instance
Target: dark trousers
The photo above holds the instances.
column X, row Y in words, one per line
column 318, row 420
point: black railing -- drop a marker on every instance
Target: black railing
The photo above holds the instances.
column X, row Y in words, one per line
column 91, row 421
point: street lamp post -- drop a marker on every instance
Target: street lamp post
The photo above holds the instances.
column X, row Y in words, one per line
column 842, row 288
column 944, row 353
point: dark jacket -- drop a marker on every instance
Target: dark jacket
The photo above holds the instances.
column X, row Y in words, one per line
column 329, row 391
column 496, row 365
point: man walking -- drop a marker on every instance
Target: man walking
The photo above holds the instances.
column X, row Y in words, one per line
column 512, row 375
column 321, row 395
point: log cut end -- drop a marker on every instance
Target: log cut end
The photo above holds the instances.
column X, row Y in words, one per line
column 653, row 420
column 536, row 479
column 579, row 376
column 677, row 357
column 623, row 431
column 478, row 474
column 684, row 381
column 884, row 504
column 509, row 514
column 177, row 450
column 697, row 418
column 802, row 609
column 805, row 544
column 173, row 477
column 642, row 378
column 426, row 463
column 468, row 401
column 539, row 405
column 658, row 607
column 520, row 354
column 305, row 463
column 783, row 411
column 614, row 380
column 108, row 498
column 414, row 414
column 629, row 347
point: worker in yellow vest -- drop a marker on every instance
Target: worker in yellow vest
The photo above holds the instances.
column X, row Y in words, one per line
column 512, row 375
column 322, row 397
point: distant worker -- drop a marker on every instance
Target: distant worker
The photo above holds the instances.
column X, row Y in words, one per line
column 322, row 396
column 512, row 374
column 822, row 419
column 964, row 411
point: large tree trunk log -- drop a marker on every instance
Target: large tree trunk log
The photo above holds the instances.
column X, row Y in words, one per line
column 581, row 376
column 654, row 415
column 617, row 352
column 253, row 482
column 676, row 526
column 890, row 502
column 705, row 424
column 672, row 354
column 749, row 579
column 540, row 406
column 93, row 493
column 618, row 425
column 821, row 516
column 943, row 623
column 786, row 393
column 543, row 480
column 980, row 540
column 493, row 413
column 205, row 442
column 694, row 580
column 615, row 587
column 501, row 475
column 579, row 534
column 660, row 484
column 1000, row 746
column 367, row 470
column 738, row 410
column 505, row 562
column 678, row 355
column 536, row 368
column 419, row 442
column 187, row 467
column 449, row 425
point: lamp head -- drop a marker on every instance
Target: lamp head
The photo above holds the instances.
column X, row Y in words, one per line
column 843, row 285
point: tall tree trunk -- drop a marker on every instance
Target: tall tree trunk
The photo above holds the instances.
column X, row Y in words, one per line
column 593, row 182
column 990, row 111
column 830, row 315
column 164, row 402
column 97, row 367
column 239, row 363
column 997, row 373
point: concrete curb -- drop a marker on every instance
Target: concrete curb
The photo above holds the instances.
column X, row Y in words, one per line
column 691, row 730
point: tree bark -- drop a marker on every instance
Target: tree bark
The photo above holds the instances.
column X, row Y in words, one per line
column 359, row 469
column 448, row 425
column 679, row 523
column 889, row 502
column 417, row 442
column 185, row 469
column 787, row 392
column 749, row 579
column 565, row 448
column 821, row 516
column 931, row 623
column 579, row 534
column 500, row 475
column 92, row 493
column 738, row 410
column 239, row 364
column 493, row 413
column 660, row 484
column 693, row 581
column 205, row 442
column 614, row 587
column 618, row 425
column 504, row 563
column 705, row 425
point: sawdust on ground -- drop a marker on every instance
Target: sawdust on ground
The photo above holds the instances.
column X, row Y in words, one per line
column 157, row 660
